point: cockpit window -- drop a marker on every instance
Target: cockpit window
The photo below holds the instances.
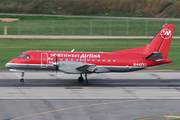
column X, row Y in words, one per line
column 27, row 57
column 20, row 56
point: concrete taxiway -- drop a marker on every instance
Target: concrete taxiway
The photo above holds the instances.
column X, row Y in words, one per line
column 111, row 96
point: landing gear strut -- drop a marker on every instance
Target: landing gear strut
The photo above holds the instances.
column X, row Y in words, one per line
column 84, row 81
column 22, row 79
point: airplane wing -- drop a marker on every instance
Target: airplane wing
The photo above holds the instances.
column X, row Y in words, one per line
column 87, row 67
column 75, row 67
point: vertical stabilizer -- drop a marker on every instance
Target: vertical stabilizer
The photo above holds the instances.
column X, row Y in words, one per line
column 162, row 41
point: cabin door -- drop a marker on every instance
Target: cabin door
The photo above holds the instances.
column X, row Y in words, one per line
column 44, row 60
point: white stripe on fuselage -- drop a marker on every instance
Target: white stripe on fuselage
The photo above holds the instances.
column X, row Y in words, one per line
column 52, row 65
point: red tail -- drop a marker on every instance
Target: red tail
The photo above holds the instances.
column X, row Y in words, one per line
column 161, row 42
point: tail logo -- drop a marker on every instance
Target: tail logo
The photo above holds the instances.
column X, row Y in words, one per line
column 165, row 33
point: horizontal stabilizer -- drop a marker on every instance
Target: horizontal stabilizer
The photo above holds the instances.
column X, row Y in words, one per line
column 156, row 56
column 88, row 67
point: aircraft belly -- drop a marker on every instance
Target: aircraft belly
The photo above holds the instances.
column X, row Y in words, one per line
column 18, row 66
column 117, row 69
column 30, row 67
column 39, row 67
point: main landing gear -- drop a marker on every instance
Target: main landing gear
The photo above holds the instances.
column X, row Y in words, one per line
column 84, row 81
column 22, row 79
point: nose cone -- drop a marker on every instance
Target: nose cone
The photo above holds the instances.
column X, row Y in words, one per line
column 7, row 65
column 10, row 64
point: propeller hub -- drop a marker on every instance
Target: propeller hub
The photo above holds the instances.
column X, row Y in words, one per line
column 55, row 64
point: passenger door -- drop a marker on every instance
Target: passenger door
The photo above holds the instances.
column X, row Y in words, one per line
column 44, row 60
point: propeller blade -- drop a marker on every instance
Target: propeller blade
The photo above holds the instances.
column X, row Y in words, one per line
column 56, row 65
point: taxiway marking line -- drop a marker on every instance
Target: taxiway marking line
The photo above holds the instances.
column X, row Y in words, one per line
column 74, row 108
column 173, row 116
column 158, row 116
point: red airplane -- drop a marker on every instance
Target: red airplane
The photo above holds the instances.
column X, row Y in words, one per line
column 154, row 54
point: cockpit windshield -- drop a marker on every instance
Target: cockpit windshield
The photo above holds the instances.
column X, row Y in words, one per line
column 20, row 56
column 27, row 57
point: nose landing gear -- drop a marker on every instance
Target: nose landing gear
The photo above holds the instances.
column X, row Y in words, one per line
column 22, row 79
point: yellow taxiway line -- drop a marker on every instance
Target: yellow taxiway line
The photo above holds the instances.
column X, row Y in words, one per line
column 172, row 116
column 159, row 116
column 74, row 108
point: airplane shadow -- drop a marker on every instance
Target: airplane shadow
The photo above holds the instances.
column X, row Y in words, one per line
column 92, row 83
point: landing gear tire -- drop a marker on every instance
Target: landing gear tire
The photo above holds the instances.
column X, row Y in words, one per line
column 22, row 80
column 80, row 79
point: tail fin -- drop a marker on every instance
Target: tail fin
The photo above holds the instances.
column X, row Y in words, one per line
column 161, row 42
column 158, row 48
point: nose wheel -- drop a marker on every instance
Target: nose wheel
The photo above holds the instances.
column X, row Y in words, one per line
column 22, row 79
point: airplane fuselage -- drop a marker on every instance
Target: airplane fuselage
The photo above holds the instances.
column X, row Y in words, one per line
column 105, row 62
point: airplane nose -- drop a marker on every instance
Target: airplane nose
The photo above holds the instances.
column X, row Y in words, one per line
column 7, row 65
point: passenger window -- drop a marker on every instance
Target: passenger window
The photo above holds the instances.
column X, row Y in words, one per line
column 61, row 58
column 114, row 60
column 103, row 59
column 77, row 59
column 72, row 59
column 27, row 57
column 66, row 59
column 82, row 59
column 51, row 58
column 98, row 59
column 87, row 59
column 93, row 59
column 109, row 60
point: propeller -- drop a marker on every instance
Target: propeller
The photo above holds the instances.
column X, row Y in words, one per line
column 56, row 64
